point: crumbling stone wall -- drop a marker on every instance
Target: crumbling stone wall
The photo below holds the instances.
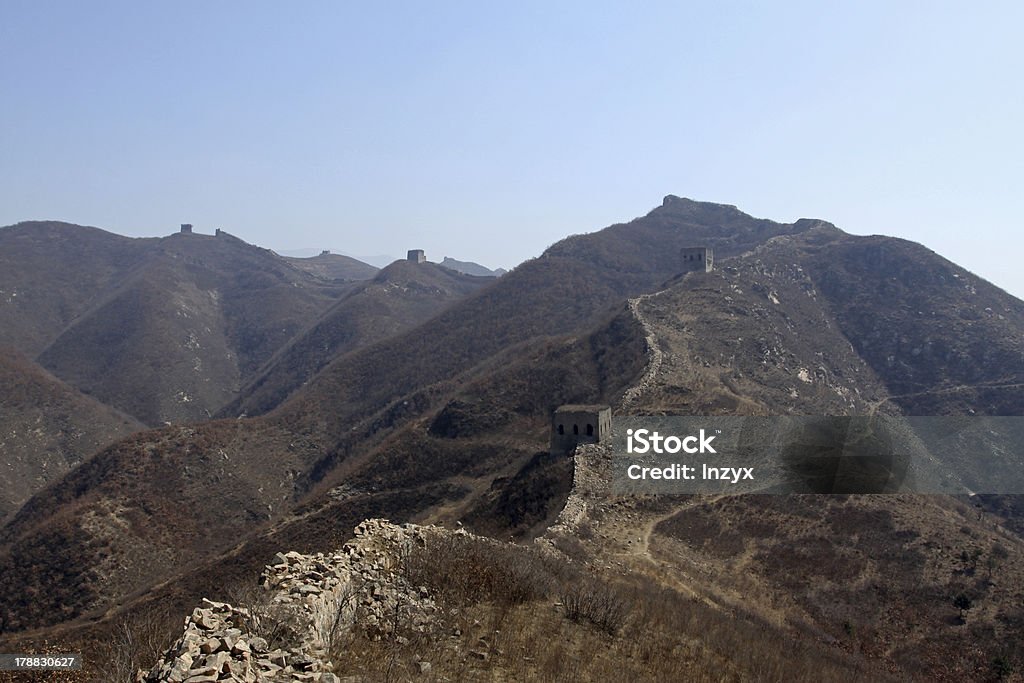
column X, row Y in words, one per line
column 318, row 596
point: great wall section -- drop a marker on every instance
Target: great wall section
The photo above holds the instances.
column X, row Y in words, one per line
column 360, row 585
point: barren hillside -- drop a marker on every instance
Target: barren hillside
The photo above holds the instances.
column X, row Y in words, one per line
column 46, row 428
column 447, row 423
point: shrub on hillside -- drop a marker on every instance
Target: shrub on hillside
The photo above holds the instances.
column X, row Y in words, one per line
column 596, row 602
column 463, row 570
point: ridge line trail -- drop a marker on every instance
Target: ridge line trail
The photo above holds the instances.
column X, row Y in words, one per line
column 655, row 356
column 655, row 359
column 642, row 547
column 630, row 528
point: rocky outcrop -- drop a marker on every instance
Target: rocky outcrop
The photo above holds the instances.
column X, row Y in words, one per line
column 307, row 603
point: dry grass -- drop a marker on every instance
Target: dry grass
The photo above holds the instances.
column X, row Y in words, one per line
column 136, row 642
column 462, row 570
column 513, row 613
column 877, row 576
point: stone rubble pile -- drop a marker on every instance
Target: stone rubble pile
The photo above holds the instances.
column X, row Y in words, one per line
column 310, row 600
column 215, row 648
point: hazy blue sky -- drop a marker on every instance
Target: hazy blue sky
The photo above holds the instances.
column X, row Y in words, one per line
column 486, row 131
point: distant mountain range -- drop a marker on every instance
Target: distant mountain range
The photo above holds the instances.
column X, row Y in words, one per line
column 334, row 267
column 470, row 268
column 377, row 261
column 171, row 329
column 421, row 393
column 311, row 256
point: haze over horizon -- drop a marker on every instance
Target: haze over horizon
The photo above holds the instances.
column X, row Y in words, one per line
column 487, row 134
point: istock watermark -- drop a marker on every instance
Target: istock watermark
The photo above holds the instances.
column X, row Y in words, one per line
column 823, row 454
column 647, row 441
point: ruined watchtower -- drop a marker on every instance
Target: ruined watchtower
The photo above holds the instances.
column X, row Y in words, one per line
column 575, row 424
column 697, row 258
column 186, row 228
column 416, row 256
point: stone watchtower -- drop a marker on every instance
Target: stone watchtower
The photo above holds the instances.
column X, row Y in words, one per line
column 186, row 228
column 416, row 256
column 576, row 424
column 697, row 258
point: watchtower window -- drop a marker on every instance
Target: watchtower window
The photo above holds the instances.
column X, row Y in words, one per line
column 561, row 429
column 700, row 257
column 590, row 430
column 576, row 430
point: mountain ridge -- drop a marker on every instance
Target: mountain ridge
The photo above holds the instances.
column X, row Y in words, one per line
column 447, row 422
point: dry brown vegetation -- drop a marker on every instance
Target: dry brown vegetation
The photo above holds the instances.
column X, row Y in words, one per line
column 175, row 333
column 876, row 575
column 46, row 428
column 521, row 613
column 444, row 421
column 187, row 496
column 396, row 299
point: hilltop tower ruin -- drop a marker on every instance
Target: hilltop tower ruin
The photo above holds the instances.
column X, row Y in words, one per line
column 576, row 424
column 416, row 256
column 186, row 228
column 697, row 259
